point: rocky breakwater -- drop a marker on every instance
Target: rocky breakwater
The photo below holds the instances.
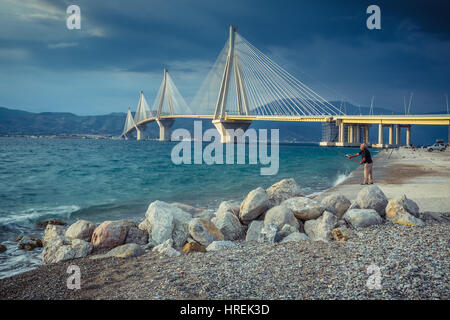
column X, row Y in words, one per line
column 281, row 213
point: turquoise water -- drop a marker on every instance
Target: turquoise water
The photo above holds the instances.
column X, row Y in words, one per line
column 110, row 179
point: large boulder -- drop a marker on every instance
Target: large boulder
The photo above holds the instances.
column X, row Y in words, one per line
column 228, row 222
column 2, row 248
column 401, row 210
column 304, row 208
column 137, row 236
column 166, row 248
column 254, row 205
column 204, row 231
column 219, row 245
column 166, row 221
column 144, row 225
column 269, row 233
column 254, row 230
column 126, row 251
column 160, row 221
column 296, row 237
column 359, row 218
column 231, row 206
column 81, row 229
column 320, row 229
column 280, row 216
column 52, row 232
column 283, row 190
column 336, row 203
column 372, row 197
column 110, row 234
column 63, row 248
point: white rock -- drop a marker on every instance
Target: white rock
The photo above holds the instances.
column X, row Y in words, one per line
column 81, row 229
column 166, row 248
column 52, row 232
column 269, row 233
column 372, row 197
column 219, row 245
column 255, row 204
column 320, row 229
column 280, row 216
column 304, row 208
column 254, row 230
column 126, row 251
column 204, row 232
column 228, row 223
column 160, row 220
column 283, row 190
column 362, row 217
column 65, row 249
column 336, row 203
column 401, row 210
column 296, row 236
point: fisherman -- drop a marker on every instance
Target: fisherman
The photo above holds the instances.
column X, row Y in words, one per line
column 367, row 161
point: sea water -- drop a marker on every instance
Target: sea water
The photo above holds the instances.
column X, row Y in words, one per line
column 100, row 180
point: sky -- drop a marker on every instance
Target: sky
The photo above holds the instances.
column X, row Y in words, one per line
column 123, row 46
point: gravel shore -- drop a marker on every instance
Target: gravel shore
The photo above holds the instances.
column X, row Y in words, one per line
column 414, row 263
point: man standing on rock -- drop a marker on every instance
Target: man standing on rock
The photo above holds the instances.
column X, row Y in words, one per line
column 367, row 161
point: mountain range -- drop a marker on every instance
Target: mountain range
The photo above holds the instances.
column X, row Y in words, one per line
column 18, row 122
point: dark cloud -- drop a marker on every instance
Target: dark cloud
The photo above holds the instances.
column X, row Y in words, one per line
column 324, row 43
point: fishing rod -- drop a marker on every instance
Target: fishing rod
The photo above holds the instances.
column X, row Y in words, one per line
column 348, row 157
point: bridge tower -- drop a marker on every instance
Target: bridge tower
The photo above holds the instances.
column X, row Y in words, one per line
column 232, row 66
column 142, row 113
column 165, row 124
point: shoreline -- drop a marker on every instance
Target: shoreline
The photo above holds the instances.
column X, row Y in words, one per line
column 195, row 275
column 423, row 176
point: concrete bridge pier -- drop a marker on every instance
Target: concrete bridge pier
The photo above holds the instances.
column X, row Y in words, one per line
column 408, row 135
column 140, row 132
column 222, row 126
column 164, row 128
column 397, row 135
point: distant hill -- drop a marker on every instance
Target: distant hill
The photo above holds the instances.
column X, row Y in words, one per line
column 18, row 122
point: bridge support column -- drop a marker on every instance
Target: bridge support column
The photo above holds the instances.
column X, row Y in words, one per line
column 358, row 133
column 397, row 135
column 350, row 134
column 164, row 128
column 140, row 132
column 342, row 131
column 380, row 136
column 366, row 134
column 391, row 134
column 408, row 135
column 222, row 126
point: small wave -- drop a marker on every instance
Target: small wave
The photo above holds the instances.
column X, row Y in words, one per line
column 35, row 214
column 340, row 178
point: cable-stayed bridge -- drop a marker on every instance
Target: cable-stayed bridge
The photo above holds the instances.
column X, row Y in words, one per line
column 245, row 85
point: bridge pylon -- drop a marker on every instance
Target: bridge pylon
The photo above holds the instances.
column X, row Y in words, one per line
column 165, row 98
column 232, row 67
